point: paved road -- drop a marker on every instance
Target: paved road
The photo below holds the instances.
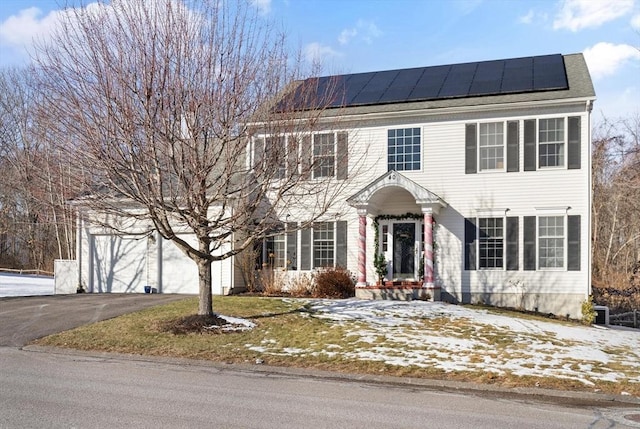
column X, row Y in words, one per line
column 24, row 319
column 60, row 390
column 48, row 388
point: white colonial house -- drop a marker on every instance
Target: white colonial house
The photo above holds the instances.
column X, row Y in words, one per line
column 472, row 180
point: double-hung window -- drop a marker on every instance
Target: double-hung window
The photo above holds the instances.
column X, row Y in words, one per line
column 323, row 244
column 274, row 251
column 270, row 156
column 551, row 137
column 491, row 143
column 403, row 149
column 491, row 242
column 551, row 239
column 324, row 155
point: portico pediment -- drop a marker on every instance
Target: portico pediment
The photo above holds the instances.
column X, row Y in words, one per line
column 367, row 197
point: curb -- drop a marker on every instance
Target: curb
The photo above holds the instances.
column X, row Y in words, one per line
column 573, row 398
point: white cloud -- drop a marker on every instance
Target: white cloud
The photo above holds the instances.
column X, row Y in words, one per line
column 346, row 35
column 317, row 53
column 528, row 18
column 533, row 17
column 264, row 6
column 604, row 59
column 365, row 30
column 635, row 22
column 578, row 14
column 19, row 31
column 369, row 30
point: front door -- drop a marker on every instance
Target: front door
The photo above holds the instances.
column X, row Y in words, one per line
column 404, row 245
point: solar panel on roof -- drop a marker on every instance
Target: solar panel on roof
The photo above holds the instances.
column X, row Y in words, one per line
column 402, row 85
column 429, row 85
column 541, row 73
column 549, row 73
column 354, row 84
column 376, row 87
column 458, row 81
column 488, row 78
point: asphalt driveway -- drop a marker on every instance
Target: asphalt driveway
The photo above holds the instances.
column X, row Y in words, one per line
column 23, row 319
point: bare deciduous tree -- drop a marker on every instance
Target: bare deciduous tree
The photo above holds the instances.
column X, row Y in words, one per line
column 159, row 104
column 616, row 213
column 34, row 224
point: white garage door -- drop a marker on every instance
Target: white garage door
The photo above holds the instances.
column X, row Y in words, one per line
column 119, row 264
column 179, row 272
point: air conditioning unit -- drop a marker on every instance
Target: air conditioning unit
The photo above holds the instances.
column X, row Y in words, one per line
column 602, row 315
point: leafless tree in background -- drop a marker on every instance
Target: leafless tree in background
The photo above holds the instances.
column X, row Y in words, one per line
column 158, row 105
column 35, row 226
column 616, row 212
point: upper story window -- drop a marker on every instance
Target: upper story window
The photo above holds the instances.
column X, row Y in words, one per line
column 403, row 149
column 551, row 142
column 491, row 142
column 269, row 156
column 324, row 155
column 492, row 146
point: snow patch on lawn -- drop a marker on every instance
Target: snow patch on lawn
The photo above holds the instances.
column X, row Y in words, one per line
column 234, row 324
column 457, row 338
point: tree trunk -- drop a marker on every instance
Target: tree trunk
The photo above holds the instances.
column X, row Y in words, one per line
column 205, row 305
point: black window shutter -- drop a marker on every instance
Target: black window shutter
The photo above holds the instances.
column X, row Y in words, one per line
column 529, row 240
column 513, row 146
column 292, row 246
column 342, row 158
column 470, row 236
column 305, row 249
column 306, row 157
column 513, row 251
column 574, row 154
column 573, row 243
column 258, row 154
column 341, row 243
column 530, row 145
column 293, row 156
column 471, row 150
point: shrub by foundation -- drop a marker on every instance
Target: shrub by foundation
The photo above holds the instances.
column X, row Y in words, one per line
column 333, row 283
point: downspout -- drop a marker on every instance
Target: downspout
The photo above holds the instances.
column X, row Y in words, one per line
column 589, row 107
column 79, row 248
column 159, row 241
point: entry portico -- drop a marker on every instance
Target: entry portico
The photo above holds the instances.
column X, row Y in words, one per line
column 404, row 213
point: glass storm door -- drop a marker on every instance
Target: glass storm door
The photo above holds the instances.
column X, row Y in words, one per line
column 404, row 241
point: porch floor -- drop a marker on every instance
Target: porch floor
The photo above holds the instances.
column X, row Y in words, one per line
column 405, row 290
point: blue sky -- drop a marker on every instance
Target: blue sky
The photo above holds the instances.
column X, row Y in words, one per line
column 367, row 35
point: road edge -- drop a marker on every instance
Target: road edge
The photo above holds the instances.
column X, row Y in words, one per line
column 572, row 398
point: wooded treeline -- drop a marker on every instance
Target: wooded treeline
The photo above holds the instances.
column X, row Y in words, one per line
column 36, row 224
column 616, row 213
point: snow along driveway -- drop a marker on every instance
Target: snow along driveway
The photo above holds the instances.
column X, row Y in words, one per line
column 455, row 338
